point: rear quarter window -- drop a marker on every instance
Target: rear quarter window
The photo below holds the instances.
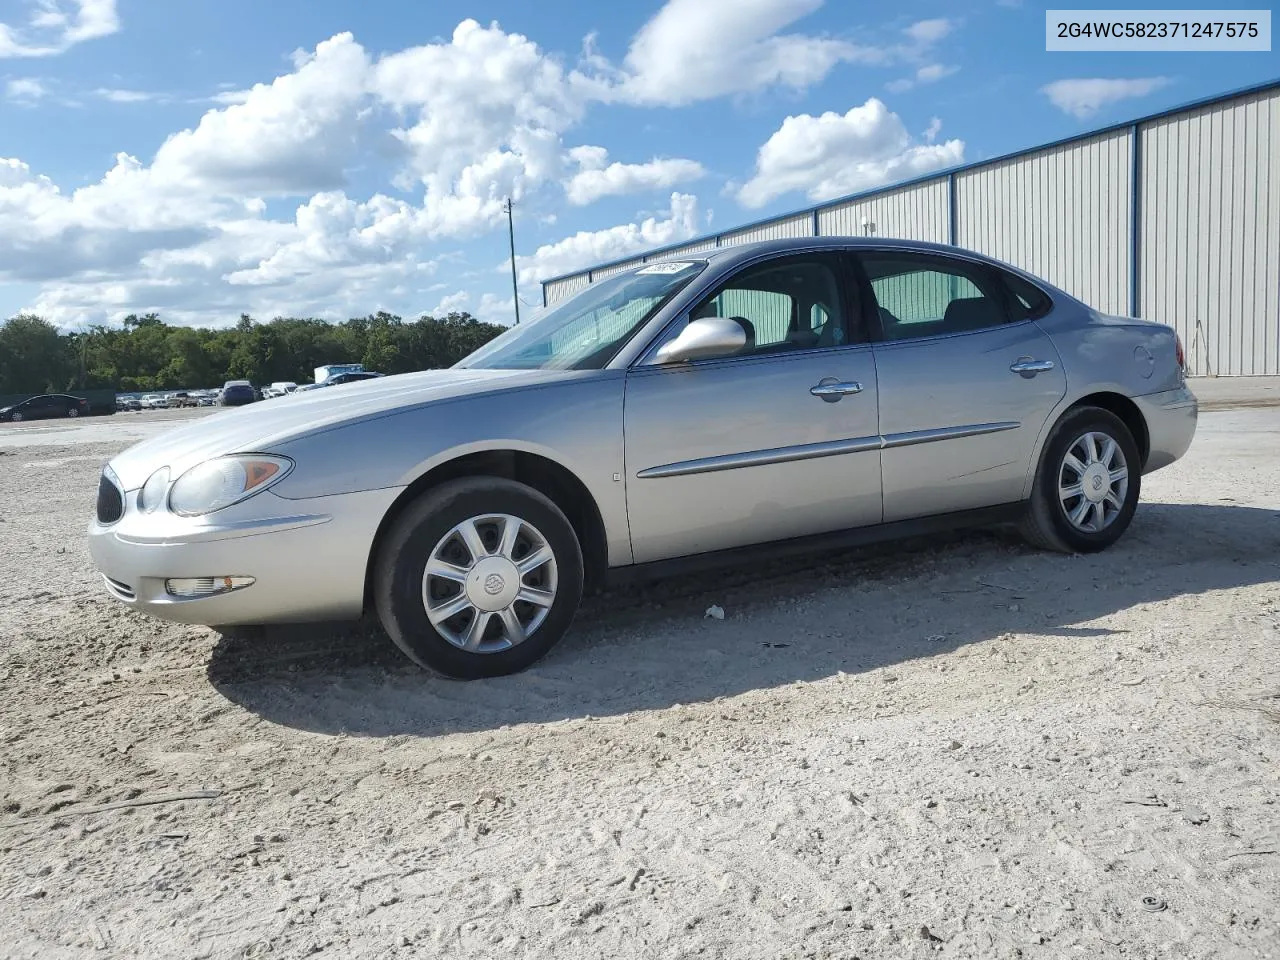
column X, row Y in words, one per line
column 1026, row 300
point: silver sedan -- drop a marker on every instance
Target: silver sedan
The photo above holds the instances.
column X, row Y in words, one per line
column 772, row 397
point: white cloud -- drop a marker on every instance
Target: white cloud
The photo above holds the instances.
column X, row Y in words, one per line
column 921, row 37
column 495, row 309
column 293, row 135
column 595, row 180
column 927, row 32
column 55, row 26
column 835, row 154
column 586, row 247
column 451, row 303
column 331, row 232
column 701, row 49
column 25, row 90
column 125, row 96
column 1082, row 98
column 933, row 72
column 487, row 111
column 931, row 132
column 230, row 96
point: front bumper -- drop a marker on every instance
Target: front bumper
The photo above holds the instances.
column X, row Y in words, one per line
column 1171, row 418
column 308, row 558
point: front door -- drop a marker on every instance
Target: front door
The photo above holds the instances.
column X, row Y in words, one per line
column 777, row 441
column 967, row 380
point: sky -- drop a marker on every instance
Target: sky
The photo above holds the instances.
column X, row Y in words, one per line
column 327, row 158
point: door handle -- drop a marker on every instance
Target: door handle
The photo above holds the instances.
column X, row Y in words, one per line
column 1028, row 368
column 831, row 390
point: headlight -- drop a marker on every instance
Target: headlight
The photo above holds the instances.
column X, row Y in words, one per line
column 219, row 483
column 152, row 493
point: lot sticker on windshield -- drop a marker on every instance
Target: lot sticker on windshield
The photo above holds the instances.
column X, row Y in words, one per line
column 675, row 267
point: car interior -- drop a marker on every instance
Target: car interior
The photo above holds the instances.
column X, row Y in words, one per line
column 783, row 307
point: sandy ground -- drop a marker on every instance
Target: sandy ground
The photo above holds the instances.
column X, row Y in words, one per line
column 957, row 747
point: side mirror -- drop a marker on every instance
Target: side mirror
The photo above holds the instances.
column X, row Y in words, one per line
column 707, row 337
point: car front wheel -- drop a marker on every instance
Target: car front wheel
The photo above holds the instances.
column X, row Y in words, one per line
column 1087, row 485
column 15, row 416
column 479, row 577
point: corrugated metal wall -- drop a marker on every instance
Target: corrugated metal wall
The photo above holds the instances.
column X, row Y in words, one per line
column 1210, row 223
column 564, row 287
column 920, row 212
column 1207, row 210
column 1061, row 214
column 613, row 268
column 800, row 225
column 698, row 246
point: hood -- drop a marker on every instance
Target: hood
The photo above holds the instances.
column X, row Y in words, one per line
column 258, row 427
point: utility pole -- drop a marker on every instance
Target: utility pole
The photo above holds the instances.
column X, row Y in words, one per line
column 511, row 235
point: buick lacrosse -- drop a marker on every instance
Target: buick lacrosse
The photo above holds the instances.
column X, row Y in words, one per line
column 765, row 398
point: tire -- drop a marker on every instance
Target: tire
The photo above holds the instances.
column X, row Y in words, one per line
column 15, row 417
column 436, row 524
column 73, row 412
column 1048, row 522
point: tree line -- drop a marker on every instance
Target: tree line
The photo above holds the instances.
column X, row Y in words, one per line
column 146, row 353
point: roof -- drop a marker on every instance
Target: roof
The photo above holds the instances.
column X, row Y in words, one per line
column 1264, row 87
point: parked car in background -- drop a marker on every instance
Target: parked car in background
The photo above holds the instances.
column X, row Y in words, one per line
column 747, row 402
column 183, row 399
column 236, row 393
column 281, row 387
column 324, row 372
column 44, row 407
column 350, row 376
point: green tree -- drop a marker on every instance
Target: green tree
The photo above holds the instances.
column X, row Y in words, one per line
column 144, row 353
column 33, row 357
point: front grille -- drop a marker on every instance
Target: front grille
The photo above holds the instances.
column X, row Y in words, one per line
column 110, row 501
column 120, row 588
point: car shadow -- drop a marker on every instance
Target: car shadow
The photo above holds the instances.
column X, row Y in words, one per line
column 651, row 647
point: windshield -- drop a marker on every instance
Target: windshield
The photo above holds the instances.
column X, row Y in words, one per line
column 585, row 331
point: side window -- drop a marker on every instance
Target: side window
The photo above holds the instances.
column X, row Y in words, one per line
column 1027, row 300
column 792, row 304
column 919, row 295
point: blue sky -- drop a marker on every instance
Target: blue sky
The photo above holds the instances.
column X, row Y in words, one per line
column 326, row 158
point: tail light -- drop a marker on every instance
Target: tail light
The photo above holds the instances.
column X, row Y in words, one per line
column 1179, row 353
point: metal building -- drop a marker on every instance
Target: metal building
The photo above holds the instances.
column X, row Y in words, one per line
column 1174, row 217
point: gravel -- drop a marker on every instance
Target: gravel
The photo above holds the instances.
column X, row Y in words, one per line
column 955, row 747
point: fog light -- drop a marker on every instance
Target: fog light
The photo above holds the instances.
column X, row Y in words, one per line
column 195, row 587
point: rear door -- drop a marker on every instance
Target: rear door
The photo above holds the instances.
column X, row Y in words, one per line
column 778, row 440
column 967, row 379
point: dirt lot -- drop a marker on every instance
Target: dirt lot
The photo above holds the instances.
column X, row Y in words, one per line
column 953, row 748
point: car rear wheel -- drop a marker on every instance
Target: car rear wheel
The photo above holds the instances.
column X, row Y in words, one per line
column 72, row 412
column 479, row 577
column 1087, row 485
